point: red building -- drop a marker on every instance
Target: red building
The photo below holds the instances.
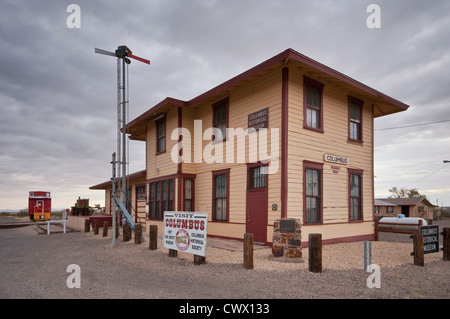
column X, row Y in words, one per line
column 39, row 205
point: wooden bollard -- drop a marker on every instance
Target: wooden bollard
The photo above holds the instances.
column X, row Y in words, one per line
column 315, row 252
column 105, row 228
column 376, row 230
column 248, row 251
column 96, row 227
column 173, row 253
column 446, row 244
column 199, row 260
column 153, row 237
column 419, row 258
column 126, row 232
column 87, row 225
column 138, row 234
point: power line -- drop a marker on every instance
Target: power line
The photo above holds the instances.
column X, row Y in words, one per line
column 413, row 125
column 427, row 175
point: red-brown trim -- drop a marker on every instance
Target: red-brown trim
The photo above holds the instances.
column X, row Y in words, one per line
column 251, row 190
column 308, row 82
column 373, row 163
column 337, row 240
column 282, row 57
column 179, row 165
column 319, row 167
column 213, row 206
column 284, row 141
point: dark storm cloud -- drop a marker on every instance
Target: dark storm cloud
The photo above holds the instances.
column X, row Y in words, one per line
column 58, row 98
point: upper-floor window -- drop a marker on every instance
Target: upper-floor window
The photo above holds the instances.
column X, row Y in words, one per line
column 220, row 117
column 355, row 119
column 313, row 106
column 160, row 135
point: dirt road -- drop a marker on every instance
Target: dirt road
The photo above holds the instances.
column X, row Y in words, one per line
column 35, row 266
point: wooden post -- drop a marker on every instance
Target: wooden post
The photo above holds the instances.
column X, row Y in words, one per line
column 153, row 237
column 96, row 227
column 105, row 228
column 87, row 225
column 117, row 230
column 199, row 260
column 315, row 252
column 446, row 243
column 419, row 258
column 126, row 232
column 138, row 234
column 173, row 253
column 376, row 229
column 248, row 251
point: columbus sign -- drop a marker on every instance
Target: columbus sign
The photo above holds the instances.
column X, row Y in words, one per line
column 186, row 231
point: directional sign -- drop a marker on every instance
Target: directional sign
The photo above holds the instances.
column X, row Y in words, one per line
column 430, row 239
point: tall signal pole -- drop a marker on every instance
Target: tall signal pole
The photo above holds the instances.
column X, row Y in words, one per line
column 123, row 53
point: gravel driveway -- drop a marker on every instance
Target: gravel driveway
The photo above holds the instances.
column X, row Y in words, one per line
column 35, row 266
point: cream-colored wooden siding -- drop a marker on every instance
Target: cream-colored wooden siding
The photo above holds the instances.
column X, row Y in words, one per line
column 158, row 165
column 304, row 144
column 263, row 92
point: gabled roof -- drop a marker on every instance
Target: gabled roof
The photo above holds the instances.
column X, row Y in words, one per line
column 384, row 104
column 379, row 202
column 108, row 184
column 413, row 201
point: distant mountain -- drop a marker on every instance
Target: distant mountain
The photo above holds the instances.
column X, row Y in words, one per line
column 11, row 211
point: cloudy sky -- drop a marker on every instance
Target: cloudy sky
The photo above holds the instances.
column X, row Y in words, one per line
column 58, row 98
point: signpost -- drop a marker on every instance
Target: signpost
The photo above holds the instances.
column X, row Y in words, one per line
column 430, row 239
column 426, row 241
column 186, row 232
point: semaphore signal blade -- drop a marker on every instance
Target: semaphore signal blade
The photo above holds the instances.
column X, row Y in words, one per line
column 138, row 58
column 104, row 52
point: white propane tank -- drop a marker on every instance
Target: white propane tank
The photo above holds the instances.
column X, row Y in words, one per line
column 414, row 221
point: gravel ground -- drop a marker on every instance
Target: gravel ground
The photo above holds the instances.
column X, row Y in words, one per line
column 35, row 266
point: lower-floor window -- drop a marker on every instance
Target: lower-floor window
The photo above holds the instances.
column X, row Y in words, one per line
column 355, row 195
column 188, row 194
column 220, row 195
column 312, row 192
column 161, row 198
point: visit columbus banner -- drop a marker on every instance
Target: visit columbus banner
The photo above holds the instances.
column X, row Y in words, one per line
column 186, row 231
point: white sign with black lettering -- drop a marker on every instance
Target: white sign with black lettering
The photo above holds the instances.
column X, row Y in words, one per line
column 186, row 231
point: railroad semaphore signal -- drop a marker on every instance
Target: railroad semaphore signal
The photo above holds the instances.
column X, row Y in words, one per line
column 123, row 53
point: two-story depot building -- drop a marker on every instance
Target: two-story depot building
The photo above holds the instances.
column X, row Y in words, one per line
column 288, row 138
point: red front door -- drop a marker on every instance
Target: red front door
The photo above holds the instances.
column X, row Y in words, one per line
column 256, row 217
